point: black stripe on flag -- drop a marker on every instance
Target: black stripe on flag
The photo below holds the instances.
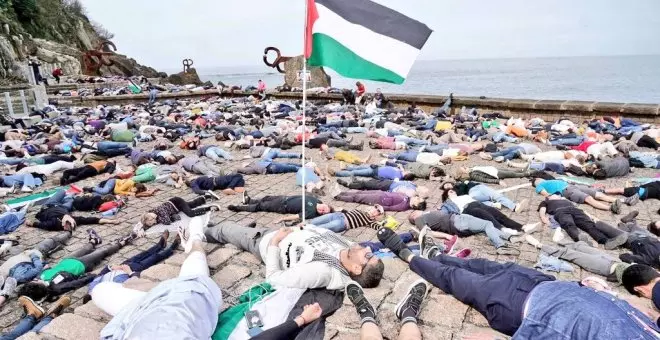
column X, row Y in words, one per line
column 380, row 19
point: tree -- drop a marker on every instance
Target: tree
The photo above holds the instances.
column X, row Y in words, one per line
column 26, row 10
column 101, row 31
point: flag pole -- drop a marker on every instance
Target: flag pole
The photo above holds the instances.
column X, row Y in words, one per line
column 304, row 105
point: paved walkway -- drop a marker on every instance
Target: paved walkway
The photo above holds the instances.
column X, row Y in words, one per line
column 442, row 317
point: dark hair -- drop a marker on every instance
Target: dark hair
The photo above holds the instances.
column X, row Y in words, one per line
column 653, row 229
column 638, row 275
column 371, row 275
column 408, row 177
column 34, row 290
column 108, row 198
column 599, row 174
column 533, row 180
column 20, row 166
column 445, row 195
column 139, row 187
column 420, row 206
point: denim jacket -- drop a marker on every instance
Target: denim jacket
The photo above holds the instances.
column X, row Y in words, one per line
column 26, row 271
column 449, row 208
column 566, row 310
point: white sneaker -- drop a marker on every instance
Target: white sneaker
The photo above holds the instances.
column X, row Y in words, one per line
column 521, row 206
column 533, row 241
column 26, row 189
column 497, row 205
column 530, row 228
column 510, row 231
column 557, row 236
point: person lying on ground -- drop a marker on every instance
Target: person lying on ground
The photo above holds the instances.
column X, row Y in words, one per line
column 390, row 201
column 634, row 194
column 421, row 171
column 215, row 153
column 342, row 156
column 117, row 186
column 573, row 220
column 87, row 171
column 644, row 159
column 272, row 153
column 375, row 171
column 464, row 204
column 36, row 317
column 512, row 297
column 55, row 215
column 511, row 152
column 74, row 270
column 642, row 280
column 229, row 184
column 193, row 296
column 585, row 256
column 312, row 178
column 168, row 212
column 290, row 205
column 486, row 195
column 27, row 182
column 268, row 166
column 196, row 165
column 490, row 174
column 576, row 193
column 608, row 168
column 349, row 219
column 45, row 169
column 428, row 158
column 324, row 260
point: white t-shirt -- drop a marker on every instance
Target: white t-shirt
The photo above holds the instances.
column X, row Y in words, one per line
column 462, row 201
column 428, row 158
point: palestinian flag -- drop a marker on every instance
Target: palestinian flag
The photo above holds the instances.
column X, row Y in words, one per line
column 362, row 39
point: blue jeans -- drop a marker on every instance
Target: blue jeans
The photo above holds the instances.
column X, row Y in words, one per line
column 60, row 198
column 503, row 137
column 107, row 188
column 333, row 221
column 26, row 325
column 278, row 153
column 26, row 180
column 430, row 125
column 360, row 171
column 282, row 168
column 508, row 153
column 648, row 159
column 412, row 141
column 356, row 130
column 487, row 195
column 554, row 307
column 107, row 146
column 15, row 161
column 377, row 246
column 408, row 156
column 217, row 154
column 434, row 148
column 573, row 141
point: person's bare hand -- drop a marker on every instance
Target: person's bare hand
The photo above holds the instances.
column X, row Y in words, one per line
column 311, row 312
column 280, row 235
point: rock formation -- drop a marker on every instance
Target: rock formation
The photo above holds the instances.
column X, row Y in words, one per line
column 318, row 76
column 184, row 78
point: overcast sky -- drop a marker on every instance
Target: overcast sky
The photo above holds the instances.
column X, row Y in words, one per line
column 217, row 33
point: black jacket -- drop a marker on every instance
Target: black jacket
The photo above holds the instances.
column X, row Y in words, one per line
column 645, row 250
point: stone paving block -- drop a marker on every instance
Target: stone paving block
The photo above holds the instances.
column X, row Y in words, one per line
column 436, row 333
column 61, row 327
column 247, row 258
column 231, row 274
column 219, row 257
column 176, row 259
column 346, row 317
column 394, row 268
column 161, row 272
column 452, row 312
column 476, row 318
column 91, row 311
column 31, row 336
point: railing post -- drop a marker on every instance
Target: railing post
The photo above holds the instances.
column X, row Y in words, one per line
column 10, row 107
column 24, row 102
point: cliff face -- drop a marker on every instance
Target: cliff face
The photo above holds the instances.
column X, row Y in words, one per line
column 58, row 33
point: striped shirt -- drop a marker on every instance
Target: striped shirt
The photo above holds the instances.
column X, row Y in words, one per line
column 357, row 218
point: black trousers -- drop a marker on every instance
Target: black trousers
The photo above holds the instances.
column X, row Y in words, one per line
column 648, row 142
column 188, row 208
column 78, row 174
column 275, row 204
column 91, row 257
column 572, row 220
column 228, row 182
column 372, row 184
column 652, row 190
column 484, row 212
column 496, row 290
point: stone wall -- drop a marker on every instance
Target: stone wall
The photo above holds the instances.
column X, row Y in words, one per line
column 546, row 109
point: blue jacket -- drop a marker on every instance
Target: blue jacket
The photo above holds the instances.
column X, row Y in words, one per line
column 27, row 271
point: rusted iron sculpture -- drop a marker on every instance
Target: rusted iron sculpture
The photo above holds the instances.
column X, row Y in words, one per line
column 186, row 64
column 279, row 59
column 94, row 59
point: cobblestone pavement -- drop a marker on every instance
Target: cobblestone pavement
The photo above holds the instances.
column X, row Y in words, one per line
column 442, row 317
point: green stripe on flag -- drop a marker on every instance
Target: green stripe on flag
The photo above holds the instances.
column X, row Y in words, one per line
column 327, row 51
column 41, row 196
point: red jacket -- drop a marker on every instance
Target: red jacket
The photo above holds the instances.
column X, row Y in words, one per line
column 361, row 89
column 57, row 72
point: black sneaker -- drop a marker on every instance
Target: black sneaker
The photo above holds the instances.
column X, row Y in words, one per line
column 343, row 182
column 390, row 240
column 88, row 189
column 632, row 200
column 126, row 239
column 616, row 207
column 364, row 309
column 409, row 307
column 426, row 243
column 94, row 237
column 210, row 195
column 232, row 208
column 246, row 198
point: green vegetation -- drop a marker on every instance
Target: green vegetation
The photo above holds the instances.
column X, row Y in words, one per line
column 55, row 20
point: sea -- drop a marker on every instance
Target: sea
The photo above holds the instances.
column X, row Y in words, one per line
column 628, row 79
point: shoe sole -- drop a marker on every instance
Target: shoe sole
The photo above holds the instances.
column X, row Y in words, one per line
column 405, row 297
column 420, row 238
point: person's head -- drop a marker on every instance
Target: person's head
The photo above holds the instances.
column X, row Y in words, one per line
column 581, row 158
column 462, row 173
column 536, row 181
column 34, row 290
column 149, row 219
column 171, row 159
column 599, row 174
column 357, row 83
column 323, row 147
column 407, row 176
column 142, row 160
column 422, row 191
column 447, row 186
column 373, row 144
column 435, row 172
column 139, row 187
column 417, row 203
column 654, row 227
column 414, row 216
column 376, row 212
column 639, row 279
column 107, row 198
column 448, row 194
column 323, row 209
column 363, row 267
